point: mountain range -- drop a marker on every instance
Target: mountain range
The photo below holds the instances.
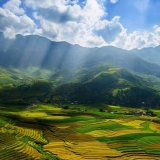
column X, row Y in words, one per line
column 74, row 73
column 40, row 52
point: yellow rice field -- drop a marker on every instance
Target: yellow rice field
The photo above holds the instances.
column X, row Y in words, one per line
column 39, row 134
column 101, row 133
column 77, row 146
column 134, row 123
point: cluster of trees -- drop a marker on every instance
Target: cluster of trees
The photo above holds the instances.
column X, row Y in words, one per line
column 94, row 93
column 134, row 97
column 25, row 94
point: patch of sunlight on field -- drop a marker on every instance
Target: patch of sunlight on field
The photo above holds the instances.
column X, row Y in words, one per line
column 49, row 107
column 28, row 114
column 109, row 71
column 63, row 127
column 101, row 122
column 32, row 114
column 134, row 123
column 98, row 133
column 114, row 107
column 41, row 115
column 45, row 108
column 102, row 133
column 54, row 117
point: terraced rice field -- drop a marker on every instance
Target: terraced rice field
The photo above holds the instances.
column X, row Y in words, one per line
column 67, row 143
column 83, row 137
column 77, row 145
column 12, row 148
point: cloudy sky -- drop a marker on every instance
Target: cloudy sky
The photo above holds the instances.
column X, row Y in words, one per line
column 125, row 24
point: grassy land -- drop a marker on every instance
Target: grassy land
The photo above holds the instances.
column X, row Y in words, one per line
column 50, row 132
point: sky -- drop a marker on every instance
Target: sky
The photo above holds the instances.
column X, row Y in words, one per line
column 124, row 24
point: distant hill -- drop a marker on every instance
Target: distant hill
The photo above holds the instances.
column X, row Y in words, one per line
column 151, row 54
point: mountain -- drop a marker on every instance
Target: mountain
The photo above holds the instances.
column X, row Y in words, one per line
column 36, row 69
column 151, row 54
column 108, row 85
column 36, row 51
column 100, row 84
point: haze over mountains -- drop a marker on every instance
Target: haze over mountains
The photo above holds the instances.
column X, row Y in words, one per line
column 38, row 51
column 149, row 54
column 107, row 74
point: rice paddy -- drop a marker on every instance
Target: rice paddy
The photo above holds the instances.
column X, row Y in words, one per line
column 49, row 132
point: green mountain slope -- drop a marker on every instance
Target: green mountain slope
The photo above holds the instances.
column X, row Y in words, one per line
column 13, row 77
column 108, row 85
column 101, row 84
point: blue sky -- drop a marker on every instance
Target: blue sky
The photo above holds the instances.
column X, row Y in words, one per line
column 125, row 24
column 135, row 14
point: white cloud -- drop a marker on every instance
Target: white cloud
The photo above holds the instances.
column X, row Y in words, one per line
column 36, row 4
column 9, row 33
column 14, row 7
column 12, row 24
column 71, row 23
column 141, row 39
column 110, row 30
column 60, row 11
column 66, row 20
column 85, row 25
column 113, row 1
